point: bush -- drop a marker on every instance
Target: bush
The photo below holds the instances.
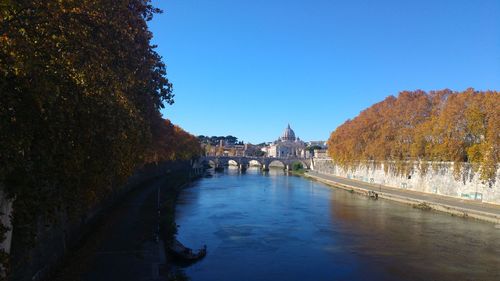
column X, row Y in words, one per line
column 297, row 166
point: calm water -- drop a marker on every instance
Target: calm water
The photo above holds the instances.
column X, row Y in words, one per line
column 276, row 227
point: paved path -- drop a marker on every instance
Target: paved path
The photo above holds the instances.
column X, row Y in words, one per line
column 485, row 211
column 124, row 246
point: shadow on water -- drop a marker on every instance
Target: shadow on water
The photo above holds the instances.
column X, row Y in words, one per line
column 269, row 226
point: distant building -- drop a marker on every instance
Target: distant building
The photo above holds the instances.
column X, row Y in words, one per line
column 321, row 153
column 226, row 149
column 321, row 144
column 287, row 146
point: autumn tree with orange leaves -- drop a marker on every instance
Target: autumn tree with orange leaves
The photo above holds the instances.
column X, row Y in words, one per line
column 439, row 126
column 171, row 143
column 81, row 87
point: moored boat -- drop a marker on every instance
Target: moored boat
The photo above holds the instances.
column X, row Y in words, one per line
column 183, row 253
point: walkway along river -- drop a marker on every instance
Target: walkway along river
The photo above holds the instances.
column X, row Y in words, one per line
column 269, row 226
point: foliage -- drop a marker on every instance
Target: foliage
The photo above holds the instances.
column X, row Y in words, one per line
column 313, row 147
column 296, row 166
column 80, row 91
column 171, row 142
column 215, row 140
column 418, row 126
column 258, row 153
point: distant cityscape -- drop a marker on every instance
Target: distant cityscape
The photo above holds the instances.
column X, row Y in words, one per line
column 287, row 145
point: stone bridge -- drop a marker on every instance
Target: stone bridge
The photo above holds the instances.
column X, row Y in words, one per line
column 244, row 161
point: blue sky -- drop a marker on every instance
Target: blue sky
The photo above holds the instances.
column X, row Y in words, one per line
column 248, row 68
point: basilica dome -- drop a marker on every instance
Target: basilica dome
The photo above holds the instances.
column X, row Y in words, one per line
column 288, row 134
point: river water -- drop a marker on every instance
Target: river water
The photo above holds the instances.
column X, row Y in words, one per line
column 270, row 226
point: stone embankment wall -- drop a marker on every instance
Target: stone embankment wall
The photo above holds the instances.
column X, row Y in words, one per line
column 440, row 180
column 55, row 240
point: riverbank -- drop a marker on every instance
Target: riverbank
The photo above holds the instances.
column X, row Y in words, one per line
column 456, row 207
column 128, row 242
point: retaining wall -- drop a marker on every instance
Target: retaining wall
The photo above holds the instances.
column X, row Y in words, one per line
column 438, row 179
column 55, row 241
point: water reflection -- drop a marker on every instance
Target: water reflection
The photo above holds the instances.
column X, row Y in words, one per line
column 412, row 243
column 268, row 226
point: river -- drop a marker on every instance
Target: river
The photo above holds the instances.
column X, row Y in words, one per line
column 270, row 226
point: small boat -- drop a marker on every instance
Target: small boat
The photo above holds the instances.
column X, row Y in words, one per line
column 183, row 253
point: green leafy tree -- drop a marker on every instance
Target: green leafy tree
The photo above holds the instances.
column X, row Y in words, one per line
column 297, row 166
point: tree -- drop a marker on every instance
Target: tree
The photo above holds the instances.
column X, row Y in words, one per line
column 313, row 147
column 231, row 140
column 80, row 91
column 460, row 127
column 297, row 166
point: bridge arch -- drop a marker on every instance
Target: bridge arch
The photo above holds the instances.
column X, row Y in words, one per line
column 304, row 164
column 277, row 163
column 254, row 162
column 211, row 163
column 263, row 162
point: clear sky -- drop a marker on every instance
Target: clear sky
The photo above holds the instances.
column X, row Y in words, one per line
column 248, row 68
